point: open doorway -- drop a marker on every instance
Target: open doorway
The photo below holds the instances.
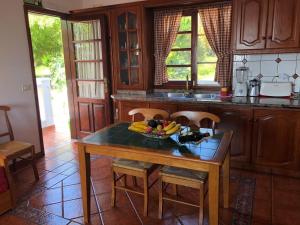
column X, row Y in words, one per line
column 50, row 77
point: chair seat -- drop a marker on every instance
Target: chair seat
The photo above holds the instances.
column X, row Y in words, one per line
column 184, row 173
column 132, row 164
column 13, row 147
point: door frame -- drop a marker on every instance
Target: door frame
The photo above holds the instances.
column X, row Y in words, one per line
column 63, row 16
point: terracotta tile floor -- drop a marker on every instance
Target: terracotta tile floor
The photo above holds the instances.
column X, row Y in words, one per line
column 55, row 136
column 56, row 198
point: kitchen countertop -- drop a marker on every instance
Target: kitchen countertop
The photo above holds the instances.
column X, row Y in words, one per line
column 248, row 101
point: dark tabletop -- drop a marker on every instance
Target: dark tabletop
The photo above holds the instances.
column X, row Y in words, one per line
column 118, row 135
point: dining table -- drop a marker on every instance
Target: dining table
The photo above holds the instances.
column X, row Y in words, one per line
column 211, row 155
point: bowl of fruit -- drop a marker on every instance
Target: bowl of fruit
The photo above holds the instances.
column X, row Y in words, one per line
column 159, row 129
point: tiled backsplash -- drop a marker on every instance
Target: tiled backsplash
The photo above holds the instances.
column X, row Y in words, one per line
column 270, row 67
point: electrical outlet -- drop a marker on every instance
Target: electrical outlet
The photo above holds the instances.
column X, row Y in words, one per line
column 26, row 87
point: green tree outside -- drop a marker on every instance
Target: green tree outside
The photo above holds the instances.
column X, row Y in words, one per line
column 47, row 47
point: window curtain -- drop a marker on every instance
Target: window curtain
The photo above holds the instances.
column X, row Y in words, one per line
column 166, row 26
column 216, row 21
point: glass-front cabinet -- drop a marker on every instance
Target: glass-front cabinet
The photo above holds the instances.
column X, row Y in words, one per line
column 128, row 59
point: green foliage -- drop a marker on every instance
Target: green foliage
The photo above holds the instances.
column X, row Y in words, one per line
column 204, row 54
column 47, row 48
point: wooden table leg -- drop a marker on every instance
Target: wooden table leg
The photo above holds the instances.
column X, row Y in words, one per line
column 226, row 180
column 85, row 176
column 213, row 194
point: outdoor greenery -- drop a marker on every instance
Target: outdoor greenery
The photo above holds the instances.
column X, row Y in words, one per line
column 206, row 57
column 47, row 48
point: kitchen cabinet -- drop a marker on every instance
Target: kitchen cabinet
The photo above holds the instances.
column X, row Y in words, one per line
column 283, row 25
column 266, row 26
column 130, row 50
column 239, row 120
column 251, row 20
column 276, row 138
column 169, row 107
column 125, row 106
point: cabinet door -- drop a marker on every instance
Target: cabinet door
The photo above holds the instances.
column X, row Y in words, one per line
column 283, row 24
column 276, row 138
column 169, row 107
column 250, row 28
column 125, row 106
column 127, row 42
column 239, row 120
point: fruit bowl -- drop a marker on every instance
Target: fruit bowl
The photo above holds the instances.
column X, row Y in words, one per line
column 158, row 129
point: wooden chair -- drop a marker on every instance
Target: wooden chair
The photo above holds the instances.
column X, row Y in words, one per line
column 184, row 177
column 136, row 168
column 7, row 197
column 13, row 150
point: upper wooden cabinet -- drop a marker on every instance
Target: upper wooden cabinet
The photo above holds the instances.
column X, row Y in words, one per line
column 283, row 24
column 129, row 46
column 276, row 138
column 267, row 26
column 251, row 20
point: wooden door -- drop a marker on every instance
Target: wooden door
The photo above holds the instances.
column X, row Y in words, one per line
column 239, row 120
column 283, row 24
column 276, row 138
column 127, row 48
column 90, row 81
column 250, row 18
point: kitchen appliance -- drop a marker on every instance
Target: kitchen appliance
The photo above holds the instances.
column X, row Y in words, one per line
column 276, row 89
column 254, row 86
column 241, row 87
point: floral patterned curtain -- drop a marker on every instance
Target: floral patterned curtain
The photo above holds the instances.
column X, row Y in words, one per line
column 166, row 25
column 216, row 21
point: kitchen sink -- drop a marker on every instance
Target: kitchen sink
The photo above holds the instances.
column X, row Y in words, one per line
column 181, row 95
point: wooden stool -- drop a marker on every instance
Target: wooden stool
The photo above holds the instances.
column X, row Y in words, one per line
column 136, row 168
column 184, row 177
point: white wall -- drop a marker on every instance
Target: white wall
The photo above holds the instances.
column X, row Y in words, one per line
column 95, row 3
column 15, row 70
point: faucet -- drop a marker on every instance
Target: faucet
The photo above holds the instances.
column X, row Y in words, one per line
column 187, row 93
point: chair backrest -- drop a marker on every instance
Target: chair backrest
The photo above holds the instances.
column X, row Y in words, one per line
column 9, row 131
column 149, row 113
column 195, row 118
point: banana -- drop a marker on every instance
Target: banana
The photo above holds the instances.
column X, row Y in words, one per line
column 141, row 126
column 174, row 129
column 139, row 123
column 136, row 129
column 170, row 126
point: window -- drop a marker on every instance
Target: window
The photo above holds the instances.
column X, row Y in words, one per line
column 191, row 55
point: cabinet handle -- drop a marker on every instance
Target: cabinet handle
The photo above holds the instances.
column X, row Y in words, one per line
column 229, row 113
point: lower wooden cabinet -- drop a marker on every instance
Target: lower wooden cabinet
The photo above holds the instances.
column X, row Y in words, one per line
column 239, row 120
column 169, row 107
column 276, row 138
column 125, row 106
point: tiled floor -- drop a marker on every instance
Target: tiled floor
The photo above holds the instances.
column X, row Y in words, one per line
column 55, row 136
column 56, row 198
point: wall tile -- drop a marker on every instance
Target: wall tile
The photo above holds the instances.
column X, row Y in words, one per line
column 253, row 58
column 269, row 68
column 254, row 68
column 269, row 57
column 287, row 67
column 288, row 56
column 238, row 58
